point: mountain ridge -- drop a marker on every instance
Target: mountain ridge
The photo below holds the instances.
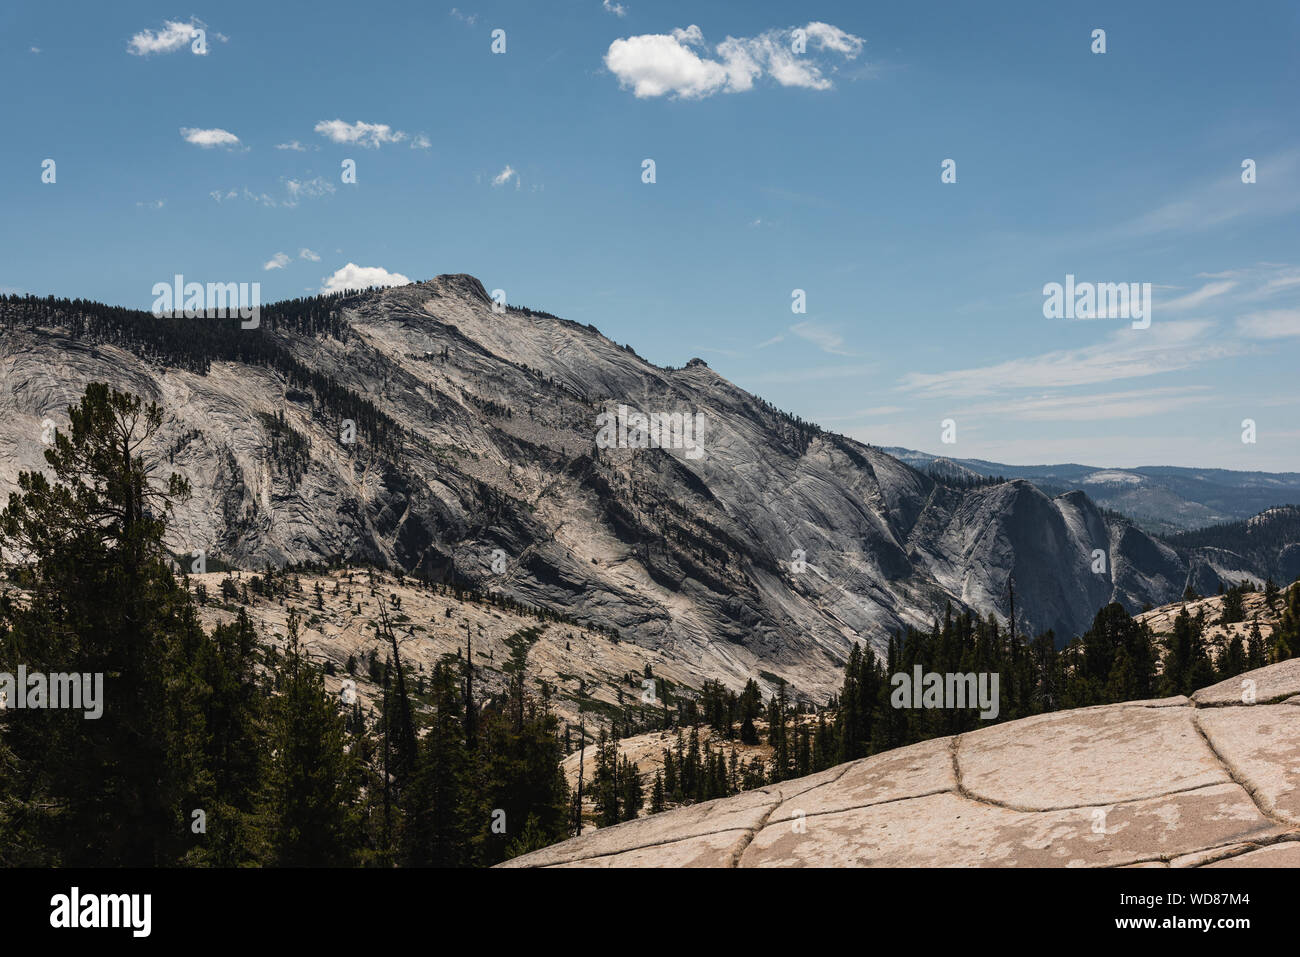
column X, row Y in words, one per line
column 1163, row 499
column 775, row 551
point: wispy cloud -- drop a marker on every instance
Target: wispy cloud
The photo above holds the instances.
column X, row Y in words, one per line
column 810, row 374
column 615, row 8
column 307, row 189
column 1126, row 354
column 792, row 196
column 1199, row 297
column 1131, row 404
column 680, row 64
column 505, row 176
column 825, row 338
column 307, row 254
column 295, row 190
column 295, row 146
column 1226, row 198
column 1272, row 324
column 875, row 412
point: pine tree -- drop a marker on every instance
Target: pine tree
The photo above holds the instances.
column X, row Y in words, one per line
column 101, row 599
column 1232, row 660
column 1286, row 638
column 310, row 800
column 1256, row 652
column 657, row 793
column 604, row 782
column 436, row 829
column 632, row 796
column 236, row 714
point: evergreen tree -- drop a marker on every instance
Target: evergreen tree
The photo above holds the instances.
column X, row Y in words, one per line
column 101, row 599
column 310, row 800
column 436, row 829
column 1286, row 638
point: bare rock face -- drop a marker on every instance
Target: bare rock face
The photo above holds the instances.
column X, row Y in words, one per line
column 1212, row 781
column 766, row 555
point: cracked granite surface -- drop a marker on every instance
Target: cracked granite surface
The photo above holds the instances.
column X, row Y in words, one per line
column 1210, row 781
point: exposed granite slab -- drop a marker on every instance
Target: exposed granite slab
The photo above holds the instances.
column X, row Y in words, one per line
column 1201, row 858
column 745, row 811
column 1087, row 757
column 947, row 830
column 705, row 851
column 1272, row 683
column 916, row 770
column 1261, row 745
column 1275, row 855
column 1165, row 783
column 1177, row 701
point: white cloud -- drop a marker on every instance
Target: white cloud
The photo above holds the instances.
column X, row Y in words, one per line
column 421, row 142
column 814, row 374
column 152, row 203
column 311, row 188
column 1194, row 299
column 770, row 342
column 1224, row 199
column 1282, row 282
column 263, row 198
column 615, row 8
column 1125, row 354
column 469, row 19
column 36, row 49
column 1273, row 324
column 824, row 338
column 278, row 261
column 305, row 253
column 296, row 190
column 875, row 412
column 366, row 135
column 678, row 64
column 353, row 276
column 827, row 37
column 175, row 35
column 295, row 146
column 505, row 176
column 1132, row 404
column 209, row 138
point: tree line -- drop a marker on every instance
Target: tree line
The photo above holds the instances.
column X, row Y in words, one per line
column 1116, row 659
column 214, row 748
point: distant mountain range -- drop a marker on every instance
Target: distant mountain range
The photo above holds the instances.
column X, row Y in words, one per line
column 426, row 429
column 1162, row 499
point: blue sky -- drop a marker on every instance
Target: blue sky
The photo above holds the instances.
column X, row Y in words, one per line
column 774, row 171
